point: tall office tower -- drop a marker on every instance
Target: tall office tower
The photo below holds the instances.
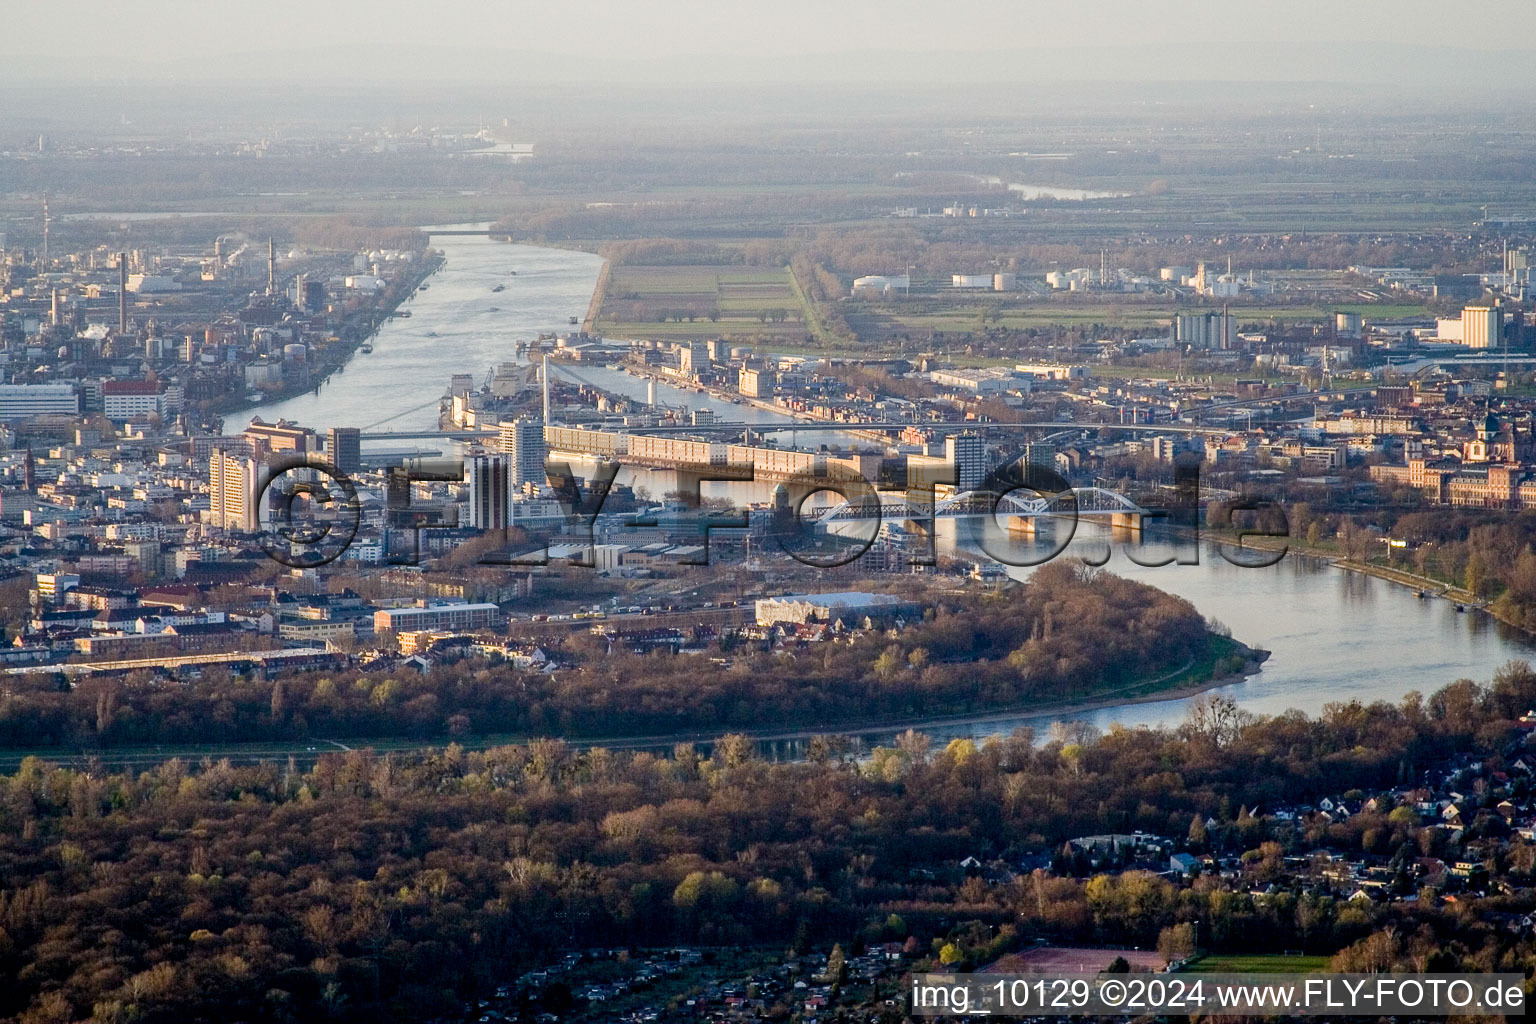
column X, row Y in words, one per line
column 343, row 446
column 1482, row 326
column 523, row 439
column 232, row 483
column 968, row 454
column 397, row 488
column 122, row 293
column 1039, row 453
column 490, row 492
column 1164, row 448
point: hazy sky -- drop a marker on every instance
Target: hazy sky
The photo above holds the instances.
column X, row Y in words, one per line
column 595, row 29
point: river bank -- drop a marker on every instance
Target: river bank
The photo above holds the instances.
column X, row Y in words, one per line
column 488, row 296
column 334, row 357
column 1423, row 586
column 1145, row 691
column 771, row 741
column 599, row 290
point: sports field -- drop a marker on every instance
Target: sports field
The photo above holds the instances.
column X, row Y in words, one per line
column 1068, row 959
column 1274, row 963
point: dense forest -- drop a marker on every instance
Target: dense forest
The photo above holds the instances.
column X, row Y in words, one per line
column 392, row 887
column 1070, row 633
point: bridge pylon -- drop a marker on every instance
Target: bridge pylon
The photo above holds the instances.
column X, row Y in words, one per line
column 1125, row 523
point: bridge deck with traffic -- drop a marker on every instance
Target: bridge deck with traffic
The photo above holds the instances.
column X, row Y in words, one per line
column 814, row 425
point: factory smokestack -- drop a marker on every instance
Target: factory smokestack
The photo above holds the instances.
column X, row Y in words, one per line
column 271, row 267
column 122, row 293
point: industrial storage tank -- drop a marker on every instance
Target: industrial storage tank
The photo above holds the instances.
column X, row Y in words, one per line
column 1348, row 325
column 295, row 353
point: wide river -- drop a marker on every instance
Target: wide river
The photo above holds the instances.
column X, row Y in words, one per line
column 1335, row 635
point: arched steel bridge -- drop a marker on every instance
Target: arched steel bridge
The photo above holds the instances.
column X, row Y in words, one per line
column 898, row 505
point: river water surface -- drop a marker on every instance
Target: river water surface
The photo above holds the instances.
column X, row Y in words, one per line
column 1334, row 635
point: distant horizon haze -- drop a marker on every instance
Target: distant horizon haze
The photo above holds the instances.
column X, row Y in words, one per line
column 679, row 42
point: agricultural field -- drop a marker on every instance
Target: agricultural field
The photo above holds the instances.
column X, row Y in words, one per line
column 884, row 323
column 701, row 301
